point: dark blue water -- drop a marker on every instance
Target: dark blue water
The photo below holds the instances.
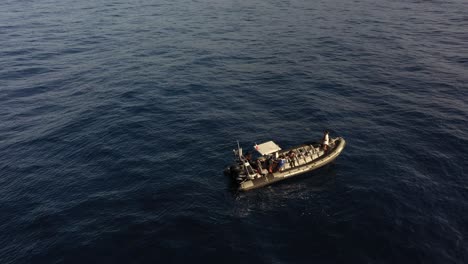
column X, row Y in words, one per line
column 117, row 119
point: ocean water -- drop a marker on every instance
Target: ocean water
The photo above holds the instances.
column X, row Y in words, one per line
column 118, row 117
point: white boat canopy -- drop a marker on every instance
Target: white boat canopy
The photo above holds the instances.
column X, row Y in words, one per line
column 267, row 148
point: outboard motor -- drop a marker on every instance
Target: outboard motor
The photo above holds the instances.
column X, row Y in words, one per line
column 235, row 170
column 242, row 170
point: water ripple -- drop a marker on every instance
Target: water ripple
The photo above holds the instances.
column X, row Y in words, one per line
column 117, row 118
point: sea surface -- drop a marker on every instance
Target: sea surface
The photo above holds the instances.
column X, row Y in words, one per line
column 117, row 118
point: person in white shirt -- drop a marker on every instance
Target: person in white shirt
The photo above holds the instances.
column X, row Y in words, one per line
column 325, row 141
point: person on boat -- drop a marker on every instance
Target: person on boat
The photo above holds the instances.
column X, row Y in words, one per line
column 325, row 141
column 270, row 163
column 248, row 157
column 281, row 163
column 259, row 167
column 292, row 158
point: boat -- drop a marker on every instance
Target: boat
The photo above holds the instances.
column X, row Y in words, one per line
column 274, row 164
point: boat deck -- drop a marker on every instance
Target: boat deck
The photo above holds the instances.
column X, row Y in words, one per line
column 304, row 154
